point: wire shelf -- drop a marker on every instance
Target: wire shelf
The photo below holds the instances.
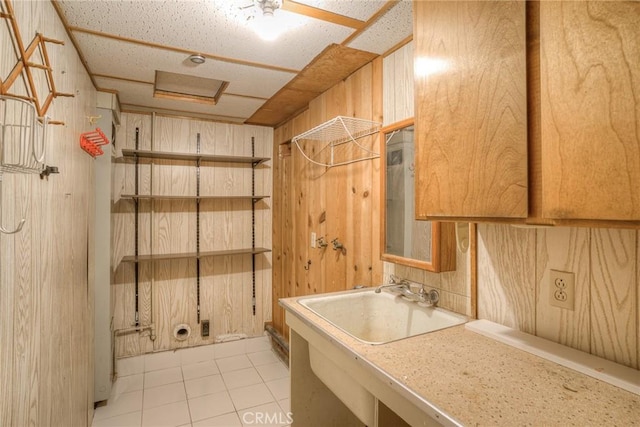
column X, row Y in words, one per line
column 338, row 140
column 22, row 144
column 22, row 137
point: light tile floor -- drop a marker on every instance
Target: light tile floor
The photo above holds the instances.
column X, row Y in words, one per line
column 239, row 383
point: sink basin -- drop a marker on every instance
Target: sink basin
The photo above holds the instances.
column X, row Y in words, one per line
column 379, row 318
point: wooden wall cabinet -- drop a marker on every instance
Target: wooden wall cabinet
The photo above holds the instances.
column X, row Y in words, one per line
column 528, row 111
column 590, row 109
column 471, row 124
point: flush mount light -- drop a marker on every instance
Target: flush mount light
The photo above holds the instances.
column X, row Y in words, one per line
column 197, row 59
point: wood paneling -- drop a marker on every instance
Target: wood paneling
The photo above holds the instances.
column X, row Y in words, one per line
column 590, row 68
column 613, row 295
column 344, row 201
column 168, row 226
column 398, row 85
column 563, row 249
column 506, row 276
column 333, row 203
column 471, row 126
column 605, row 262
column 46, row 297
column 377, row 101
column 332, row 65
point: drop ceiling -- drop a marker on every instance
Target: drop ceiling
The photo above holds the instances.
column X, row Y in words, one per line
column 125, row 43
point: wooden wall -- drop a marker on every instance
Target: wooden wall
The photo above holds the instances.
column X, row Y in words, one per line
column 344, row 201
column 341, row 202
column 398, row 104
column 46, row 296
column 168, row 289
column 513, row 289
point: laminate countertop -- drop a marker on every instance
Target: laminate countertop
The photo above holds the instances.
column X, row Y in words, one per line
column 475, row 380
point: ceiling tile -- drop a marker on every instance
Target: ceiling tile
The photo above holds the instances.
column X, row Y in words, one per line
column 393, row 27
column 203, row 26
column 142, row 94
column 138, row 62
column 356, row 9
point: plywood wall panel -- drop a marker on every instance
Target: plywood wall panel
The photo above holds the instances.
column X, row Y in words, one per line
column 359, row 93
column 48, row 302
column 613, row 295
column 336, row 186
column 277, row 317
column 264, row 221
column 398, row 87
column 170, row 226
column 506, row 276
column 605, row 262
column 564, row 249
column 377, row 101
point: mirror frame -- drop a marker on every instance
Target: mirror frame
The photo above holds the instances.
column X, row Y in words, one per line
column 443, row 240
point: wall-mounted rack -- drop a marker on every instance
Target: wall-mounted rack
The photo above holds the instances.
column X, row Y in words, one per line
column 91, row 142
column 335, row 142
column 194, row 255
column 145, row 154
column 198, row 158
column 25, row 65
column 22, row 144
column 166, row 197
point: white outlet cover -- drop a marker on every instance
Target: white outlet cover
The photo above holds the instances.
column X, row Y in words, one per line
column 562, row 283
column 313, row 239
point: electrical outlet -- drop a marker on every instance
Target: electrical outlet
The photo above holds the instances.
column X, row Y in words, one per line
column 313, row 239
column 204, row 328
column 561, row 289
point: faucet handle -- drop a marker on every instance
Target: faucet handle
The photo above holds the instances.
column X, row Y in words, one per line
column 431, row 298
column 434, row 296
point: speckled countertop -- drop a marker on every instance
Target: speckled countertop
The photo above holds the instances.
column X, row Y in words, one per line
column 479, row 381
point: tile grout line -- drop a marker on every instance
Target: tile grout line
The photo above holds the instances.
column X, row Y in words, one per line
column 253, row 366
column 184, row 387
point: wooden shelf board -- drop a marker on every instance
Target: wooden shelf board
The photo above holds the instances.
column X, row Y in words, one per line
column 191, row 156
column 166, row 197
column 193, row 255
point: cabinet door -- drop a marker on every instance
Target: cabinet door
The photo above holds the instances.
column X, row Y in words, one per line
column 590, row 107
column 471, row 114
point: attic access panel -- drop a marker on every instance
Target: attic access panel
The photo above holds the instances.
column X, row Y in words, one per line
column 182, row 87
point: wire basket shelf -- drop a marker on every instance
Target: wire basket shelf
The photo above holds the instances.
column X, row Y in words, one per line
column 22, row 137
column 339, row 142
column 22, row 144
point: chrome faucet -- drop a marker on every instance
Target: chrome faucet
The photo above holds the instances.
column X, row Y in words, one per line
column 393, row 287
column 401, row 286
column 396, row 284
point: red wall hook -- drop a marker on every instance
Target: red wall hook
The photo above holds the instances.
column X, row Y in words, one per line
column 91, row 142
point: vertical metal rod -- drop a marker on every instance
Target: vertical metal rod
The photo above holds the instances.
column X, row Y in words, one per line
column 137, row 264
column 152, row 206
column 198, row 229
column 253, row 227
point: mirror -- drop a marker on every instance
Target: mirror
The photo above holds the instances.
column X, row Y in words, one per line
column 405, row 240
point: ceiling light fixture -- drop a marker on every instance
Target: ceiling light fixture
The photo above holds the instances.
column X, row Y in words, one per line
column 266, row 25
column 197, row 59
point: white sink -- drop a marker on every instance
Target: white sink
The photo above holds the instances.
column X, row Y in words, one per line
column 379, row 318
